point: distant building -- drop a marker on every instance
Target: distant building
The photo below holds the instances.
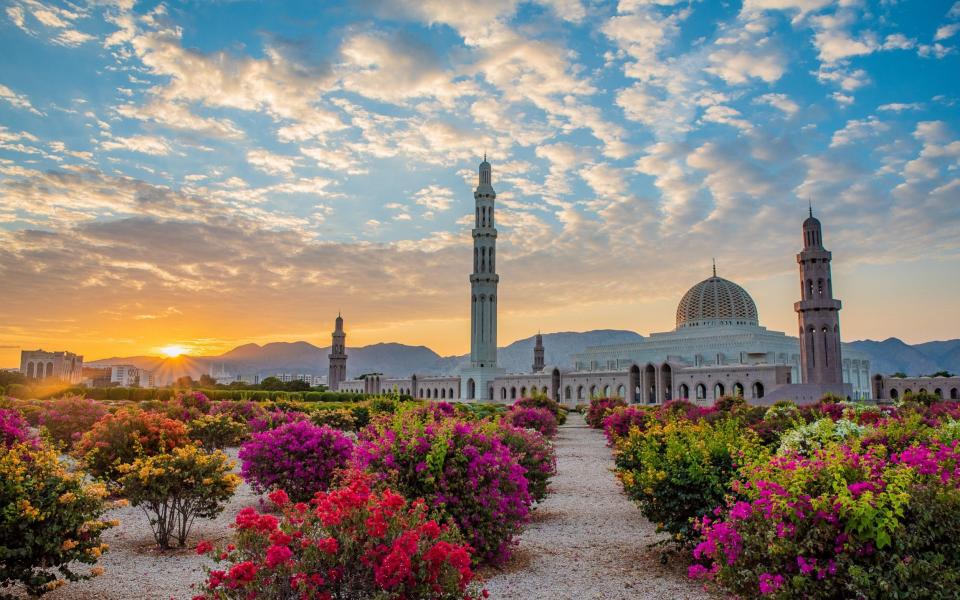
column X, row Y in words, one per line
column 40, row 365
column 895, row 388
column 131, row 376
column 338, row 356
column 97, row 376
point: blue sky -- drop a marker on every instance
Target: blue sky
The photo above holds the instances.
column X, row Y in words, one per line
column 210, row 173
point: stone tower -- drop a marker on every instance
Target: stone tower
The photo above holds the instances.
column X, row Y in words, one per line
column 338, row 357
column 818, row 311
column 477, row 379
column 538, row 354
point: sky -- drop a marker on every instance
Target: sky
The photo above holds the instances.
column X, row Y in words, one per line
column 215, row 173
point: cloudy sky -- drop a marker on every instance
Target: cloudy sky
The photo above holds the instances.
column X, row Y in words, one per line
column 214, row 173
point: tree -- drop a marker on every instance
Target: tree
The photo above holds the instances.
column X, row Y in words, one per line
column 206, row 381
column 297, row 386
column 184, row 382
column 942, row 374
column 272, row 384
column 899, row 375
column 11, row 377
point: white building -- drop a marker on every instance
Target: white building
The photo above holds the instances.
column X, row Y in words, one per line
column 40, row 365
column 131, row 376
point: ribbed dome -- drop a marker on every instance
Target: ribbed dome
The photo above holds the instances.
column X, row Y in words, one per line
column 714, row 302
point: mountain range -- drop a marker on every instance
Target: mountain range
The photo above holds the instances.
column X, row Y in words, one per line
column 392, row 359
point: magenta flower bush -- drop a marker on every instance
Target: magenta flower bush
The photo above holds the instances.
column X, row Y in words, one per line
column 538, row 419
column 534, row 452
column 299, row 458
column 188, row 406
column 847, row 522
column 14, row 429
column 242, row 411
column 599, row 408
column 69, row 417
column 462, row 471
column 276, row 418
column 617, row 423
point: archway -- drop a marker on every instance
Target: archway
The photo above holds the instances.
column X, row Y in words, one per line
column 49, row 369
column 29, row 370
column 738, row 390
column 579, row 392
column 606, row 391
column 666, row 382
column 894, row 394
column 471, row 389
column 953, row 394
column 758, row 390
column 718, row 390
column 593, row 391
column 523, row 392
column 620, row 391
column 938, row 393
column 503, row 393
column 450, row 393
column 701, row 392
column 633, row 382
column 555, row 385
column 513, row 393
column 567, row 394
column 650, row 384
column 684, row 391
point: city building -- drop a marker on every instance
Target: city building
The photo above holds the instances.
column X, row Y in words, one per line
column 131, row 376
column 96, row 376
column 891, row 389
column 40, row 365
column 718, row 347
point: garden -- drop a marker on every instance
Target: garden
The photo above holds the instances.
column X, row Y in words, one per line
column 383, row 497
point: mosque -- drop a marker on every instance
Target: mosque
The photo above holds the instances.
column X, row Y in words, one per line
column 718, row 347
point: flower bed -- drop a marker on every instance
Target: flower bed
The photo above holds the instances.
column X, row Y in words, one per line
column 599, row 408
column 538, row 419
column 69, row 417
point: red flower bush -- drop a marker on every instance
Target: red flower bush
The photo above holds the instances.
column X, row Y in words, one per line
column 351, row 542
column 538, row 419
column 618, row 422
column 69, row 417
column 599, row 407
column 299, row 457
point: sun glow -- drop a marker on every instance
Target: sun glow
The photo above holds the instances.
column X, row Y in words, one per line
column 172, row 351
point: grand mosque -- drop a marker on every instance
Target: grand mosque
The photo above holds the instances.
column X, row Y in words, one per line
column 718, row 347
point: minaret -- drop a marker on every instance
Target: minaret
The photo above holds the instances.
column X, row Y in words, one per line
column 476, row 380
column 818, row 311
column 338, row 357
column 538, row 354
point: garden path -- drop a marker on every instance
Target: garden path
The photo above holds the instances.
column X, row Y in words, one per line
column 587, row 540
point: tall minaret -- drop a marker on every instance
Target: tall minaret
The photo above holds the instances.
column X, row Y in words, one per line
column 818, row 311
column 538, row 354
column 338, row 357
column 477, row 379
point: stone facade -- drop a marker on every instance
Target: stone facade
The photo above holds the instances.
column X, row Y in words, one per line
column 39, row 365
column 891, row 389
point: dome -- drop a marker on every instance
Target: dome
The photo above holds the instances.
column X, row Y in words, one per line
column 714, row 302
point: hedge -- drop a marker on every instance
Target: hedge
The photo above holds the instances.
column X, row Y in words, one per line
column 141, row 394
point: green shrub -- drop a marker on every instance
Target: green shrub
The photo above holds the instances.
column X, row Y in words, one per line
column 679, row 471
column 175, row 488
column 218, row 431
column 49, row 522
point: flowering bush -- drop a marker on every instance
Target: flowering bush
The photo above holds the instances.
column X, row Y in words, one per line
column 599, row 407
column 538, row 419
column 67, row 418
column 543, row 401
column 533, row 451
column 620, row 420
column 804, row 439
column 338, row 418
column 50, row 520
column 276, row 418
column 846, row 522
column 187, row 406
column 242, row 411
column 462, row 471
column 174, row 489
column 679, row 471
column 125, row 436
column 350, row 542
column 217, row 431
column 13, row 428
column 300, row 458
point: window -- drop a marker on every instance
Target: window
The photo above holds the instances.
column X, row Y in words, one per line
column 701, row 392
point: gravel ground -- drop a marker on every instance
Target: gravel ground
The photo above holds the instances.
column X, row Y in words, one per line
column 134, row 568
column 587, row 540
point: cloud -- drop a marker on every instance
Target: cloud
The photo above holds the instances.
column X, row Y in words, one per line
column 434, row 197
column 900, row 106
column 857, row 130
column 270, row 163
column 781, row 102
column 946, row 32
column 145, row 144
column 179, row 117
column 17, row 100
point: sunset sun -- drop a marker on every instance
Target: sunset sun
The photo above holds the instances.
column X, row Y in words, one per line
column 172, row 351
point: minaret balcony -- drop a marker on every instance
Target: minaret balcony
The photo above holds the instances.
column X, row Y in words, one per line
column 817, row 304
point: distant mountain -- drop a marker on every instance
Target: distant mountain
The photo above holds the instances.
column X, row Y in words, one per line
column 893, row 355
column 399, row 360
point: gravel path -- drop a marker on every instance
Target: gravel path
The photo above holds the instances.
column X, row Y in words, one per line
column 587, row 540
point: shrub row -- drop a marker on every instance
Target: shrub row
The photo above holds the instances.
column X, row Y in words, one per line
column 141, row 394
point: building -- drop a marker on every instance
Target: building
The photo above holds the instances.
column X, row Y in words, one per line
column 338, row 356
column 131, row 376
column 40, row 365
column 96, row 376
column 718, row 347
column 891, row 389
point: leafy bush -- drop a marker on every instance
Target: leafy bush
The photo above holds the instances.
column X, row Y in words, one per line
column 679, row 471
column 175, row 488
column 620, row 420
column 68, row 417
column 338, row 418
column 187, row 406
column 599, row 407
column 125, row 436
column 463, row 472
column 242, row 411
column 14, row 429
column 50, row 521
column 29, row 409
column 352, row 542
column 538, row 419
column 843, row 523
column 807, row 438
column 276, row 418
column 543, row 401
column 217, row 431
column 534, row 452
column 299, row 458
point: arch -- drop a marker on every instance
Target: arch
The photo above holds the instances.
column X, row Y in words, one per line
column 894, row 394
column 666, row 382
column 621, row 391
column 49, row 369
column 543, row 390
column 579, row 392
column 954, row 394
column 757, row 389
column 555, row 385
column 820, row 288
column 30, row 370
column 633, row 382
column 450, row 393
column 718, row 390
column 701, row 392
column 490, row 392
column 513, row 393
column 809, row 289
column 606, row 391
column 938, row 393
column 471, row 389
column 443, row 393
column 593, row 391
column 421, row 393
column 738, row 390
column 503, row 393
column 684, row 391
column 811, row 353
column 650, row 384
column 923, row 390
column 567, row 393
column 523, row 391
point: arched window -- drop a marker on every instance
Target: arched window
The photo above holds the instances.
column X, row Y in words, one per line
column 938, row 393
column 523, row 392
column 811, row 352
column 620, row 391
column 579, row 392
column 809, row 289
column 513, row 393
column 450, row 393
column 684, row 391
column 566, row 393
column 894, row 394
column 701, row 392
column 758, row 390
column 483, row 260
column 718, row 391
column 443, row 394
column 493, row 266
column 820, row 288
column 738, row 390
column 593, row 391
column 29, row 370
column 826, row 355
column 471, row 389
column 954, row 394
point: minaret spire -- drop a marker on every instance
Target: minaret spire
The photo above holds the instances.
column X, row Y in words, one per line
column 714, row 267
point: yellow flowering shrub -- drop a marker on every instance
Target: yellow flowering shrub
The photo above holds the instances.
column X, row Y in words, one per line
column 49, row 520
column 175, row 488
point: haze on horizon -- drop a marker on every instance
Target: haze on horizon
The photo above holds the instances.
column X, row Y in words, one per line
column 211, row 174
